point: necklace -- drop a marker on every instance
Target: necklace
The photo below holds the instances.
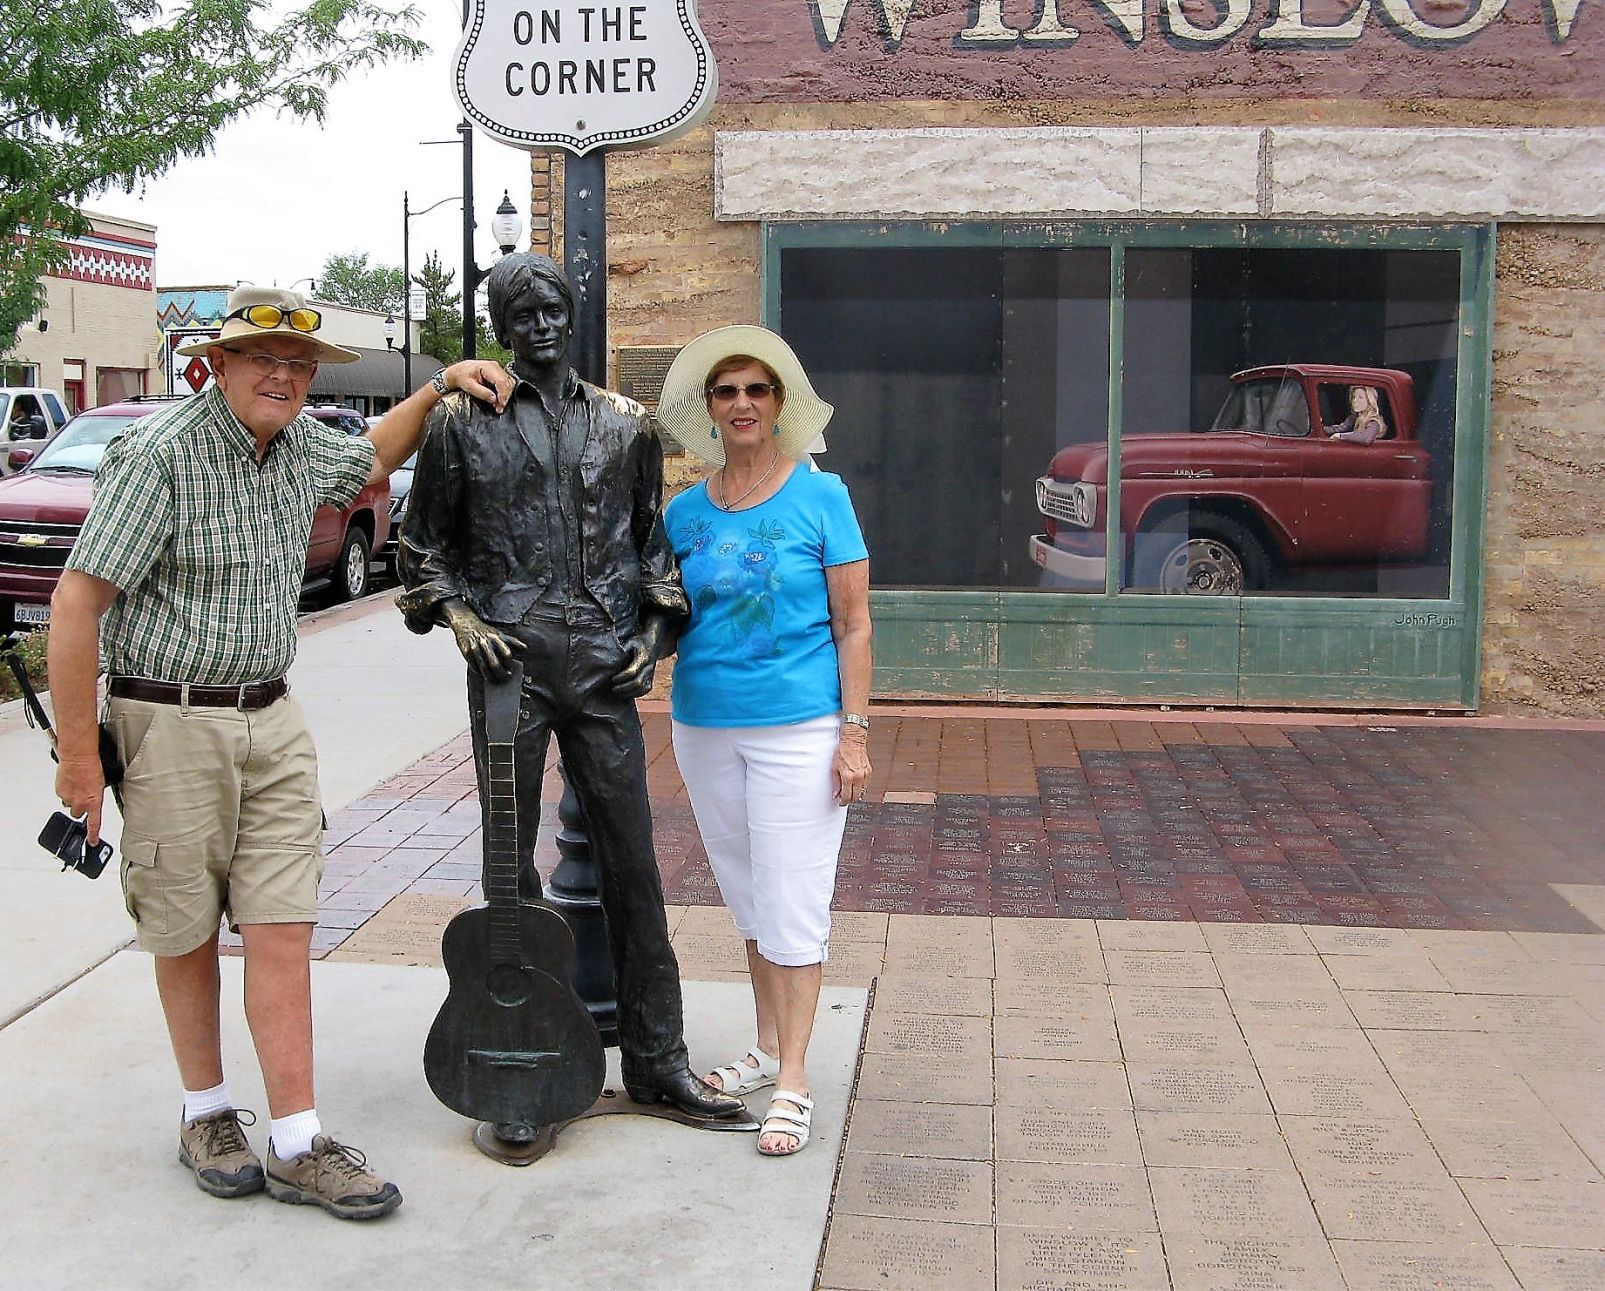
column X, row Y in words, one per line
column 768, row 471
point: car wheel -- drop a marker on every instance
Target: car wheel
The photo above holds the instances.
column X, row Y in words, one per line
column 1215, row 556
column 350, row 574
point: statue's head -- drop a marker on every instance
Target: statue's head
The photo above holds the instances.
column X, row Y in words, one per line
column 531, row 307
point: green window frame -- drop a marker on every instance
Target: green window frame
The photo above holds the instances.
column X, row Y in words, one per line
column 1266, row 649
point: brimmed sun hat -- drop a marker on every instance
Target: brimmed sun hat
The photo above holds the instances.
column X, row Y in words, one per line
column 683, row 406
column 238, row 327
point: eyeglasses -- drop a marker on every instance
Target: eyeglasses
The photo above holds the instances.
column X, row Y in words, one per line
column 267, row 365
column 270, row 316
column 753, row 390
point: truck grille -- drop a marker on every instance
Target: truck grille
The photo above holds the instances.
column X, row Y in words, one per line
column 1075, row 503
column 35, row 545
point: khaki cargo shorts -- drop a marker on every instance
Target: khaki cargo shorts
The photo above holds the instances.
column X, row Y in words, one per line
column 221, row 814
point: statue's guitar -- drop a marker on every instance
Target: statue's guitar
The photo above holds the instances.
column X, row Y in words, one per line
column 512, row 1041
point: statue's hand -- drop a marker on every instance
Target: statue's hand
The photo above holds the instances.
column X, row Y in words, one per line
column 634, row 677
column 487, row 651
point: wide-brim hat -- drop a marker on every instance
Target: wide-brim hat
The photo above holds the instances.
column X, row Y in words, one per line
column 239, row 328
column 683, row 406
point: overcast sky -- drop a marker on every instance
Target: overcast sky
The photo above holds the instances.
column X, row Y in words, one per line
column 278, row 196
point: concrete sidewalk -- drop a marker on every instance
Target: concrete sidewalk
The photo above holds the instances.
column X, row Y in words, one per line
column 1159, row 1001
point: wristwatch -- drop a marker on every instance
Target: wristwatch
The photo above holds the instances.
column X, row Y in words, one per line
column 438, row 381
column 855, row 719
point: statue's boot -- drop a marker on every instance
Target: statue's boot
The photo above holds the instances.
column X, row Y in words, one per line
column 688, row 1092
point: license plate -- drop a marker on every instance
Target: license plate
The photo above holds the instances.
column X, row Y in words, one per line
column 38, row 615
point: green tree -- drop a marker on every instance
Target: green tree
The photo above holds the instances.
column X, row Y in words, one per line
column 441, row 329
column 351, row 280
column 98, row 94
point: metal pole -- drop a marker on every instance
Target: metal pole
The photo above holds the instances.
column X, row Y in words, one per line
column 470, row 269
column 573, row 889
column 585, row 260
column 406, row 298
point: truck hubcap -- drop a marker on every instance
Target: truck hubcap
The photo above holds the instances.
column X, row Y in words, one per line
column 1202, row 567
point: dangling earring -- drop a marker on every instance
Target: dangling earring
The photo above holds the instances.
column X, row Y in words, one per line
column 776, row 431
column 713, row 432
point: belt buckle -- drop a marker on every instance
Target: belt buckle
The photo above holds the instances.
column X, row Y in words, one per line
column 239, row 698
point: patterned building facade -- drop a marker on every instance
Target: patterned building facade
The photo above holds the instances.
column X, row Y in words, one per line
column 96, row 339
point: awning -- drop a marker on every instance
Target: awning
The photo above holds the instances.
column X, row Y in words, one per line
column 378, row 373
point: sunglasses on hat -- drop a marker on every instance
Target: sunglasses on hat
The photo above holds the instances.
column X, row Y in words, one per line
column 270, row 316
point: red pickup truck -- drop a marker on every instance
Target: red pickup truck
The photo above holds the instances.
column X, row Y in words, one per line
column 1266, row 488
column 42, row 508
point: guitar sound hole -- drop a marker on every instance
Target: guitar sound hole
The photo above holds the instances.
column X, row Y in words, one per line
column 508, row 985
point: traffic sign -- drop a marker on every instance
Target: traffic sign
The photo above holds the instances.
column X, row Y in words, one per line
column 582, row 75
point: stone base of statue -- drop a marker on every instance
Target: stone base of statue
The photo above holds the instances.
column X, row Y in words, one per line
column 613, row 1102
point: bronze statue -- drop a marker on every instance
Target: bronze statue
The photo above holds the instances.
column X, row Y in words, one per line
column 535, row 535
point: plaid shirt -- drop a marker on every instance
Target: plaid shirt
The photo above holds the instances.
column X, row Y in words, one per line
column 207, row 547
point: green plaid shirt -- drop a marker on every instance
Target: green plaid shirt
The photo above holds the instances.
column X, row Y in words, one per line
column 207, row 546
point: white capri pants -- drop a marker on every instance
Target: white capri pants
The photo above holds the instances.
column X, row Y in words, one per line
column 766, row 807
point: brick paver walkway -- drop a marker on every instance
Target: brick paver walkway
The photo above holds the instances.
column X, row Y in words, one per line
column 1165, row 1004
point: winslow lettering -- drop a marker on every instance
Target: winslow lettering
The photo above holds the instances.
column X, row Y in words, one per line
column 987, row 28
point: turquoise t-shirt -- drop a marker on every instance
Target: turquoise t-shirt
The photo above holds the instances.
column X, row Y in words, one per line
column 758, row 649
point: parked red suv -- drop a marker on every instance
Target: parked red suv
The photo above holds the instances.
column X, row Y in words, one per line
column 42, row 508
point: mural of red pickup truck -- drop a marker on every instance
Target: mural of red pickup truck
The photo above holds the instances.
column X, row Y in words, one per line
column 1279, row 482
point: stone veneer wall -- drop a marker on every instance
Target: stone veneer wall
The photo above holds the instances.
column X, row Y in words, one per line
column 674, row 271
column 1544, row 619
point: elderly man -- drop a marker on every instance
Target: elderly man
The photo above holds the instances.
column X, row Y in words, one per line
column 184, row 584
column 536, row 534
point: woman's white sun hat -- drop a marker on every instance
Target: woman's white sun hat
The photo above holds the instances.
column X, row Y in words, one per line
column 683, row 407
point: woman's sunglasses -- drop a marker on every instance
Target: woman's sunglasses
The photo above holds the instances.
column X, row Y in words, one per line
column 753, row 390
column 270, row 316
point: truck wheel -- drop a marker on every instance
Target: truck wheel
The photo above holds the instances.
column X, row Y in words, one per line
column 350, row 573
column 1216, row 556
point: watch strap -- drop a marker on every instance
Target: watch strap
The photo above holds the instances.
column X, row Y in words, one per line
column 438, row 381
column 855, row 719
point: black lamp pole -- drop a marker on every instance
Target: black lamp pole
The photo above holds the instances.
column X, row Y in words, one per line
column 406, row 297
column 472, row 273
column 573, row 888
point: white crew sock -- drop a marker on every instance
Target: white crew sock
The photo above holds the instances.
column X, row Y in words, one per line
column 203, row 1102
column 292, row 1135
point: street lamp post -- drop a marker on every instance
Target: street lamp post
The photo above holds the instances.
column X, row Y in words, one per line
column 407, row 214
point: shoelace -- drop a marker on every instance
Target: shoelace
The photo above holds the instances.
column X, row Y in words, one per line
column 224, row 1136
column 346, row 1162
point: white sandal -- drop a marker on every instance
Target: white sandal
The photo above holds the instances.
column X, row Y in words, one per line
column 740, row 1077
column 781, row 1120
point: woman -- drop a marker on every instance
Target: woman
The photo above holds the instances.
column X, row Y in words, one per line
column 771, row 684
column 1364, row 424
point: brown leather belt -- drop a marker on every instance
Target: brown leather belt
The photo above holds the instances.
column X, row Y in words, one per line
column 252, row 695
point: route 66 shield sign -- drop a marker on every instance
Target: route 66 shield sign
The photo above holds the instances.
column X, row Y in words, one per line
column 584, row 74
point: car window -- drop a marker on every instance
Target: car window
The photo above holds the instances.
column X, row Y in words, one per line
column 57, row 412
column 1270, row 406
column 82, row 442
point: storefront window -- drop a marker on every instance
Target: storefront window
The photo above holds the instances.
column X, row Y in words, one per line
column 1286, row 421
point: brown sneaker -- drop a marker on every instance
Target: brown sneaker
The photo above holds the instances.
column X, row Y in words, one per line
column 333, row 1176
column 215, row 1148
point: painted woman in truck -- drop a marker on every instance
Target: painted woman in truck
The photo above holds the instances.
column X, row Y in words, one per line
column 1365, row 423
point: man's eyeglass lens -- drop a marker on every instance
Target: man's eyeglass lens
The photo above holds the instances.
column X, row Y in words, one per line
column 265, row 365
column 757, row 390
column 302, row 320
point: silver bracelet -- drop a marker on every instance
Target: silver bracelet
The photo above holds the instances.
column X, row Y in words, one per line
column 855, row 719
